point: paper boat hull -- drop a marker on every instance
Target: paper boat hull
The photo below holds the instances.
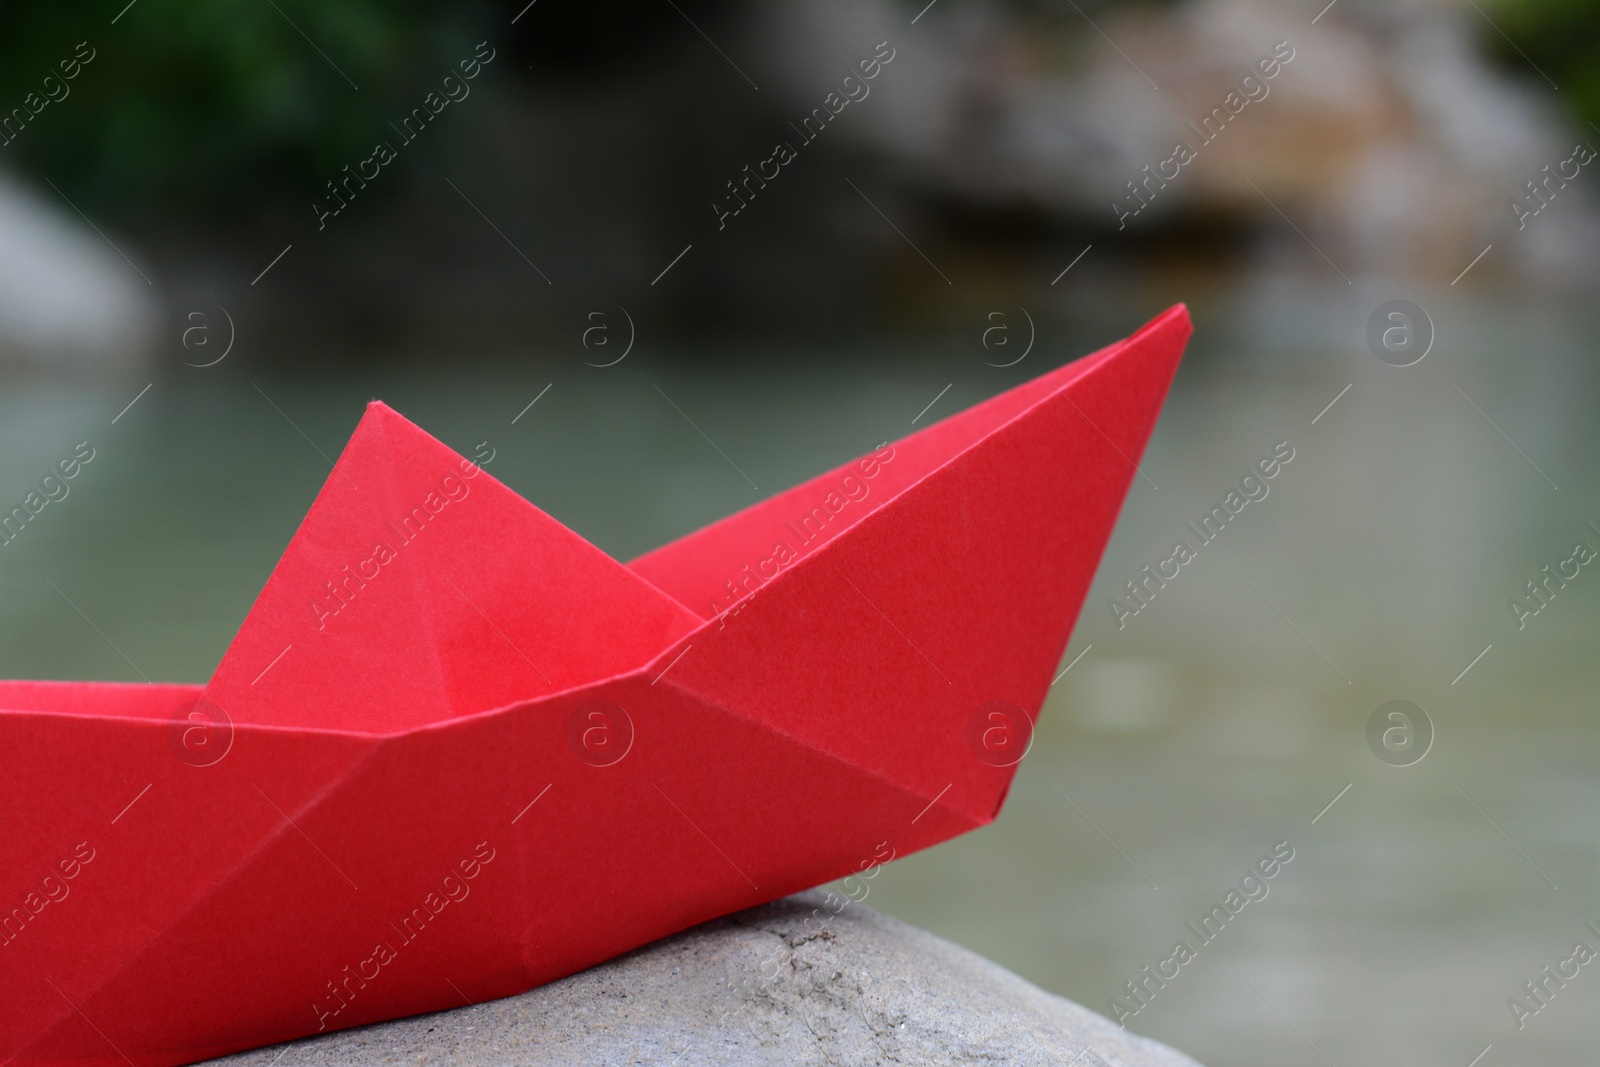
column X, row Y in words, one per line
column 786, row 719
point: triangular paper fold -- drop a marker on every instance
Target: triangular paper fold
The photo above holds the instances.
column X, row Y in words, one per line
column 953, row 585
column 419, row 589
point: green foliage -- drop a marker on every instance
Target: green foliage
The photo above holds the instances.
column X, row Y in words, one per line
column 218, row 107
column 1561, row 38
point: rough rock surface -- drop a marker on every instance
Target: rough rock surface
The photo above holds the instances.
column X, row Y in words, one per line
column 772, row 985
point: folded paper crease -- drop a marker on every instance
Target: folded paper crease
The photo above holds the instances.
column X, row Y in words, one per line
column 456, row 750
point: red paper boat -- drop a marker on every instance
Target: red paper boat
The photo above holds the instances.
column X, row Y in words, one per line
column 456, row 751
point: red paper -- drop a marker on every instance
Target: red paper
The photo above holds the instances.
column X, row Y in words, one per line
column 456, row 751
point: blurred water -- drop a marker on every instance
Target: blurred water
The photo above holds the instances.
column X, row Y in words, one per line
column 1223, row 719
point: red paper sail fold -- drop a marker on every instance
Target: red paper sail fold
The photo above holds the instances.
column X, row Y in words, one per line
column 457, row 751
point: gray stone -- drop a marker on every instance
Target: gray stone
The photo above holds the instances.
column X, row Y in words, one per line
column 68, row 296
column 772, row 985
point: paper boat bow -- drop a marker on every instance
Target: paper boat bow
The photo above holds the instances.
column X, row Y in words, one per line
column 456, row 751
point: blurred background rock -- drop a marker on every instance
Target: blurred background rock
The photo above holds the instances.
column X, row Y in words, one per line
column 598, row 140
